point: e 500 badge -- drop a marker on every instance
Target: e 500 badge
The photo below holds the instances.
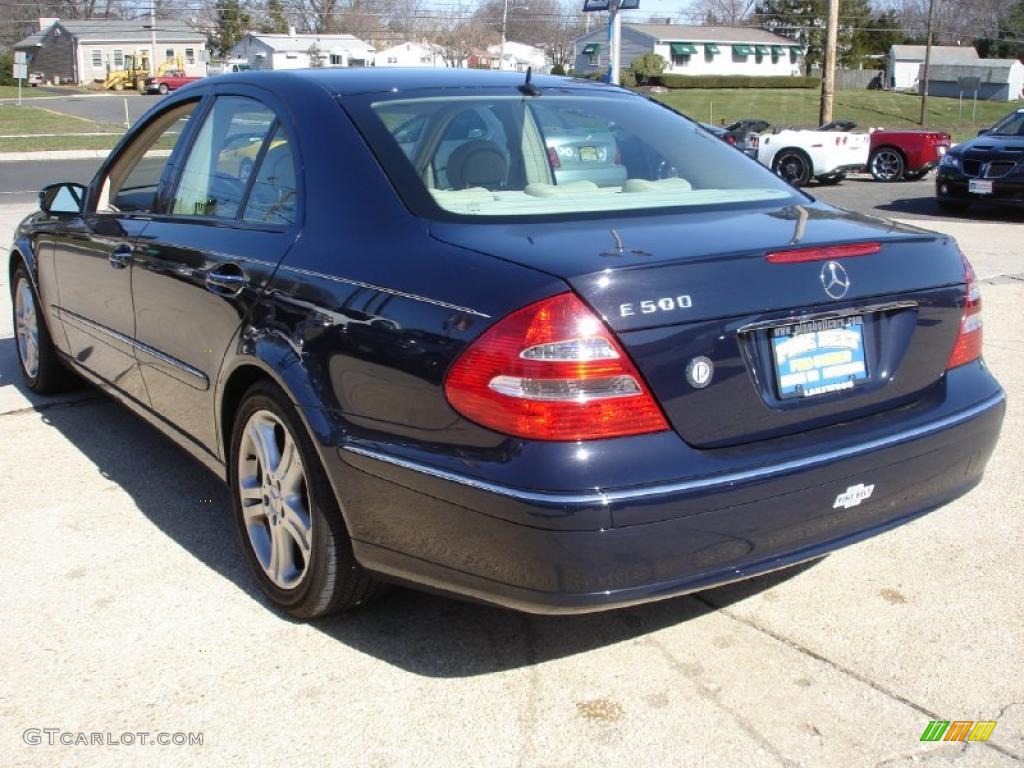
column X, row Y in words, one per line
column 650, row 306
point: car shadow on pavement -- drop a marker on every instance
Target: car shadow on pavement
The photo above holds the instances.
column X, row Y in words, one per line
column 926, row 206
column 426, row 634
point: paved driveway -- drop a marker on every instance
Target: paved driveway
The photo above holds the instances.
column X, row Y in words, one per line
column 127, row 608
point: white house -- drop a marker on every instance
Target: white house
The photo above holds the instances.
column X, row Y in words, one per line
column 518, row 57
column 410, row 55
column 694, row 50
column 298, row 51
column 998, row 79
column 903, row 62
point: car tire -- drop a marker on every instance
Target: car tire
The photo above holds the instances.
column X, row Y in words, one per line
column 41, row 367
column 832, row 179
column 887, row 165
column 289, row 519
column 794, row 166
column 118, row 86
column 163, row 89
column 952, row 206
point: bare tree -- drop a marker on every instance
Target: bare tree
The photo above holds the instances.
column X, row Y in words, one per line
column 731, row 12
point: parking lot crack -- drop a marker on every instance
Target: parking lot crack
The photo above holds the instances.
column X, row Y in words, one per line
column 713, row 696
column 848, row 671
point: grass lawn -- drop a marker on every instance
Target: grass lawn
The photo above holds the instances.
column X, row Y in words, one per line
column 799, row 108
column 32, row 121
column 11, row 92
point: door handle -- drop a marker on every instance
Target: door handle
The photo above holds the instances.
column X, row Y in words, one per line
column 120, row 257
column 226, row 280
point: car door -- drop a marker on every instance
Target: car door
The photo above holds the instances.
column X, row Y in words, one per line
column 93, row 253
column 206, row 257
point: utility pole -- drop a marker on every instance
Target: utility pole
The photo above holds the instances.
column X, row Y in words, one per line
column 504, row 25
column 828, row 74
column 927, row 61
column 152, row 37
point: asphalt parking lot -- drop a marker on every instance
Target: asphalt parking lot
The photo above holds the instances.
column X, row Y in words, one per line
column 128, row 609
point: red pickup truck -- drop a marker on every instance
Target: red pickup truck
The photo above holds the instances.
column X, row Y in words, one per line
column 897, row 155
column 168, row 81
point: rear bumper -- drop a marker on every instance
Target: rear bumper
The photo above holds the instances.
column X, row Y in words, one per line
column 442, row 531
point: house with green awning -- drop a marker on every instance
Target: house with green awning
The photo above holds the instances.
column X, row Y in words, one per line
column 691, row 50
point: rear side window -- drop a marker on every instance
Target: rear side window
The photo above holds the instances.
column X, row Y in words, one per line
column 223, row 157
column 272, row 197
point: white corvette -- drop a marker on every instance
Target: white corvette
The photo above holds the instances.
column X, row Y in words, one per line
column 825, row 154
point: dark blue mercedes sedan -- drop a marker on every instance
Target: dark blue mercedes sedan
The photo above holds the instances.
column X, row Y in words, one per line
column 533, row 341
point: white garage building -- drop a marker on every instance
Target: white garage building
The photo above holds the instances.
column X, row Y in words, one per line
column 903, row 62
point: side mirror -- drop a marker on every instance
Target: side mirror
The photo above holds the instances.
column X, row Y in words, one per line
column 67, row 197
column 983, row 131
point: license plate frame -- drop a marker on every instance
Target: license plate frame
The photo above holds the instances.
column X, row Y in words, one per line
column 980, row 186
column 814, row 358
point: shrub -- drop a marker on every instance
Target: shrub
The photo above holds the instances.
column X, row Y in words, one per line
column 737, row 81
column 627, row 78
column 6, row 69
column 647, row 68
column 558, row 69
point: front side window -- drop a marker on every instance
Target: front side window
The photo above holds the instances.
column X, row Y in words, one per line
column 131, row 184
column 562, row 153
column 222, row 158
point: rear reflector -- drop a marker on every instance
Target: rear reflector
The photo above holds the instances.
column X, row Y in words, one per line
column 822, row 253
column 967, row 346
column 552, row 371
column 553, row 158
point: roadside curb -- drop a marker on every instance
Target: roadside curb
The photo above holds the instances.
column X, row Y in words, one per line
column 55, row 154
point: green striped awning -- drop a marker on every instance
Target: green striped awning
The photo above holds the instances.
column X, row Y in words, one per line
column 711, row 48
column 682, row 49
column 741, row 50
column 796, row 50
column 762, row 50
column 591, row 49
column 778, row 50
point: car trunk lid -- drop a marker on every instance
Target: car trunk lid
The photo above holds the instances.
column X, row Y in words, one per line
column 695, row 296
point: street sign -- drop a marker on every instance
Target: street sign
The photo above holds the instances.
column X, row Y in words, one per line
column 605, row 5
column 20, row 70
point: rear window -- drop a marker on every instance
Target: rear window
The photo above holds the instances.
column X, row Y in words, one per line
column 561, row 153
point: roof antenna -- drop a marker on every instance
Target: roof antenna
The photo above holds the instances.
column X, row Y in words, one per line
column 528, row 88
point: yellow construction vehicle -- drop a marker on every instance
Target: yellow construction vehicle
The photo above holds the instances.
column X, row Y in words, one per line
column 132, row 75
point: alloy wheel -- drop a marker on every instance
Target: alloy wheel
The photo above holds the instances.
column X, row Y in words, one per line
column 27, row 327
column 886, row 165
column 275, row 499
column 793, row 168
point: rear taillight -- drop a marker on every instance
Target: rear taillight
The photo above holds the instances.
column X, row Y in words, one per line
column 552, row 371
column 967, row 346
column 553, row 158
column 730, row 139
